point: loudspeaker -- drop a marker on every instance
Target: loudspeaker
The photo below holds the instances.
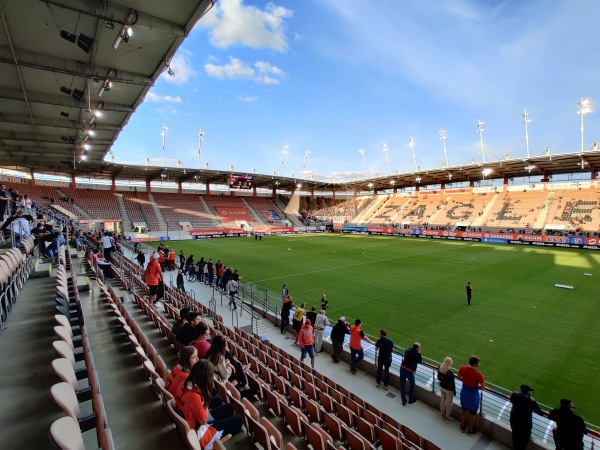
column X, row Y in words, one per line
column 77, row 94
column 66, row 90
column 68, row 36
column 85, row 43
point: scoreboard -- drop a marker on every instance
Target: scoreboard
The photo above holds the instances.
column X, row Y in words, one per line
column 240, row 182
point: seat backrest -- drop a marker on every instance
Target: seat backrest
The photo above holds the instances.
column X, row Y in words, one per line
column 64, row 333
column 64, row 396
column 66, row 435
column 64, row 369
column 193, row 442
column 273, row 433
column 64, row 350
column 63, row 322
column 164, row 394
column 314, row 438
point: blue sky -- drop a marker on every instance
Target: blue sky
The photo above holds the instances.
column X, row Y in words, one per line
column 340, row 75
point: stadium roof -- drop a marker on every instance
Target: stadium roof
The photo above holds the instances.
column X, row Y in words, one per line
column 63, row 60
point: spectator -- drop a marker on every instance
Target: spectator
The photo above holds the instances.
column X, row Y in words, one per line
column 523, row 405
column 284, row 292
column 288, row 304
column 232, row 290
column 180, row 284
column 189, row 332
column 195, row 400
column 298, row 319
column 107, row 245
column 338, row 335
column 356, row 351
column 412, row 357
column 448, row 389
column 202, row 343
column 188, row 356
column 570, row 428
column 306, row 342
column 53, row 248
column 320, row 323
column 473, row 382
column 384, row 358
column 224, row 369
column 188, row 263
column 153, row 275
column 181, row 260
column 324, row 302
column 141, row 258
column 178, row 325
column 312, row 315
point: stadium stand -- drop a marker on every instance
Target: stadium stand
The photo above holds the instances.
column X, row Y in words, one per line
column 139, row 209
column 177, row 208
column 515, row 210
column 99, row 204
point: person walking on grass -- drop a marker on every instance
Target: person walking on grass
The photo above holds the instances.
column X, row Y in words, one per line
column 473, row 383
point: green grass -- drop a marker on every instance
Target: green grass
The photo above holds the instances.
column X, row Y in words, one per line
column 524, row 329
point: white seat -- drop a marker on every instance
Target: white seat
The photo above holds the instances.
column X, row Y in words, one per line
column 65, row 434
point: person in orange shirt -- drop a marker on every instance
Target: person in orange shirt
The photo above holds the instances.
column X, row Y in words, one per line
column 356, row 350
column 307, row 342
column 171, row 260
column 195, row 401
column 152, row 276
column 187, row 358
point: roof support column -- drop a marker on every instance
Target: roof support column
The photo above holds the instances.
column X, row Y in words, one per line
column 254, row 191
column 207, row 188
column 180, row 188
column 113, row 185
column 73, row 183
column 33, row 177
column 505, row 184
column 471, row 184
column 148, row 187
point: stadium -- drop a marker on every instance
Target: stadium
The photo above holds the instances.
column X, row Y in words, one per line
column 394, row 250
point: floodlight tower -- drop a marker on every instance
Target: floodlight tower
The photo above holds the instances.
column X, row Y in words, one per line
column 387, row 160
column 526, row 120
column 411, row 144
column 283, row 153
column 362, row 155
column 443, row 138
column 480, row 130
column 585, row 106
column 164, row 135
column 306, row 155
column 200, row 137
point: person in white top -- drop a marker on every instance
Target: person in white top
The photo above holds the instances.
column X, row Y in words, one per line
column 320, row 323
column 107, row 244
column 21, row 227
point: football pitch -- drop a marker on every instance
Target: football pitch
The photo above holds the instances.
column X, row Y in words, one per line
column 524, row 329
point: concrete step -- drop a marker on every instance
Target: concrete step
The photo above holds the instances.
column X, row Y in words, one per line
column 41, row 269
column 83, row 283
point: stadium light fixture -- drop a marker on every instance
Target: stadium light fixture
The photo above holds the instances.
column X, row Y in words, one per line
column 86, row 146
column 106, row 86
column 200, row 138
column 449, row 176
column 163, row 133
column 443, row 138
column 480, row 130
column 530, row 167
column 361, row 152
column 486, row 171
column 283, row 153
column 411, row 144
column 299, row 185
column 418, row 179
column 585, row 107
column 526, row 121
column 370, row 185
column 126, row 30
column 387, row 160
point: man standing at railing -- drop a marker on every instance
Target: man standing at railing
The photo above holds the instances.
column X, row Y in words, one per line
column 412, row 357
column 356, row 350
column 232, row 289
column 570, row 428
column 523, row 406
column 4, row 201
column 385, row 346
column 320, row 323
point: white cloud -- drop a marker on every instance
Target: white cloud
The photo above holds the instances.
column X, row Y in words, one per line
column 265, row 73
column 232, row 23
column 181, row 65
column 248, row 98
column 235, row 69
column 155, row 98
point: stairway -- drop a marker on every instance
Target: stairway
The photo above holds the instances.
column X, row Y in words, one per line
column 126, row 224
column 162, row 223
column 541, row 220
column 82, row 212
column 481, row 219
column 216, row 220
